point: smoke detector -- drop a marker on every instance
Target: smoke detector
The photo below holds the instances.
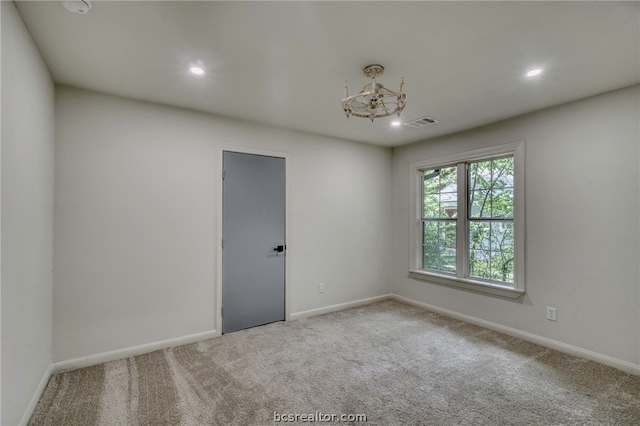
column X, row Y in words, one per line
column 77, row 6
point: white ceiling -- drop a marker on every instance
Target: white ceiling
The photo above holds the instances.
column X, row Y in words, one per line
column 285, row 63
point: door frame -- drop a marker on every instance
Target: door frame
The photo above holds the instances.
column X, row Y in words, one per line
column 287, row 227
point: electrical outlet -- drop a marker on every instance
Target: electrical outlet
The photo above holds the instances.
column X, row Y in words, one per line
column 321, row 288
column 551, row 314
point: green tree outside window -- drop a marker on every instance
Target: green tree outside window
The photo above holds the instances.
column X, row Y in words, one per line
column 489, row 219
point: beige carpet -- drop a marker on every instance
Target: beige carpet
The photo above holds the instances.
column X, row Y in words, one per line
column 394, row 363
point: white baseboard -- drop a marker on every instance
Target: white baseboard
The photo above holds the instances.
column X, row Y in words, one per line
column 338, row 307
column 150, row 347
column 543, row 341
column 90, row 360
column 36, row 396
column 95, row 359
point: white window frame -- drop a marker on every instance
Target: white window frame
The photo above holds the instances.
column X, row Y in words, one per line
column 461, row 279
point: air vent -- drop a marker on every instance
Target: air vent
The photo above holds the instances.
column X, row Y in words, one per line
column 421, row 122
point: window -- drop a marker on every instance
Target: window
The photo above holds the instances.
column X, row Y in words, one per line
column 440, row 204
column 469, row 227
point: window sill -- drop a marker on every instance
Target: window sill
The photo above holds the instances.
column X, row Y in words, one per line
column 467, row 284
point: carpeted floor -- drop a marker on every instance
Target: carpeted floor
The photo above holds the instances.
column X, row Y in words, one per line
column 396, row 364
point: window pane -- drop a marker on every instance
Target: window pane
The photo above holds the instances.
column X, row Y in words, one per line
column 448, row 258
column 480, row 204
column 502, row 172
column 448, row 205
column 479, row 175
column 431, row 206
column 502, row 266
column 431, row 180
column 439, row 193
column 449, row 179
column 439, row 245
column 430, row 244
column 479, row 263
column 491, row 247
column 502, row 236
column 479, row 236
column 491, row 188
column 502, row 203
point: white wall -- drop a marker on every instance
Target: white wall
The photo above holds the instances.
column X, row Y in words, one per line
column 27, row 216
column 135, row 220
column 582, row 209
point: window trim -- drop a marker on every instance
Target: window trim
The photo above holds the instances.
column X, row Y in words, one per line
column 461, row 280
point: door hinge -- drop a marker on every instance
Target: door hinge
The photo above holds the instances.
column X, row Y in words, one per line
column 223, row 175
column 223, row 243
column 221, row 311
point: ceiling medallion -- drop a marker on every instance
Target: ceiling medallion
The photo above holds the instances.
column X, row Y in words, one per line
column 375, row 100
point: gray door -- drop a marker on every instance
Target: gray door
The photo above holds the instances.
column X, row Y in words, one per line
column 253, row 225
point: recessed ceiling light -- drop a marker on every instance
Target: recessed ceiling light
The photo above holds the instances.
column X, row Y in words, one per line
column 396, row 123
column 77, row 6
column 196, row 70
column 534, row 72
